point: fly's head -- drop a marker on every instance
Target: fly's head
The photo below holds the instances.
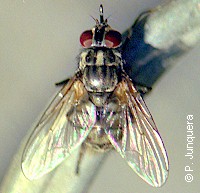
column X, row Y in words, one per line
column 101, row 35
column 100, row 45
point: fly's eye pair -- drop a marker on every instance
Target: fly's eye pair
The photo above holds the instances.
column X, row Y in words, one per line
column 112, row 39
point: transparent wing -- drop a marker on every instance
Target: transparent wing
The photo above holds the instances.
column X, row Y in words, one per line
column 133, row 133
column 63, row 127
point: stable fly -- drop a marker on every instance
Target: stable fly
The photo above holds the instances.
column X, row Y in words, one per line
column 98, row 108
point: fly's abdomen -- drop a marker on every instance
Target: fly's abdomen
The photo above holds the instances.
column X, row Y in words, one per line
column 100, row 78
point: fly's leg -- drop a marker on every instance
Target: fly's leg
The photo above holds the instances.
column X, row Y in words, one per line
column 142, row 89
column 62, row 82
column 80, row 158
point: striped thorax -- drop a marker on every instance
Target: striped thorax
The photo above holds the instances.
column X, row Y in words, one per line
column 101, row 69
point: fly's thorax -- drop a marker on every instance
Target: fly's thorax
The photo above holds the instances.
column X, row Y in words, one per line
column 99, row 98
column 99, row 56
column 101, row 69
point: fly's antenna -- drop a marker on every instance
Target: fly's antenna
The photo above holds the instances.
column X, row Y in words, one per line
column 101, row 13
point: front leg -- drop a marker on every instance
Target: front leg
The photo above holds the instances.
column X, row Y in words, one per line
column 63, row 82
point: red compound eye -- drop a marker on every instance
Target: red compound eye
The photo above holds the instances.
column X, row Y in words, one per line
column 113, row 39
column 86, row 38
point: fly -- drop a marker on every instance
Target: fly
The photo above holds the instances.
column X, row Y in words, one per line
column 98, row 108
